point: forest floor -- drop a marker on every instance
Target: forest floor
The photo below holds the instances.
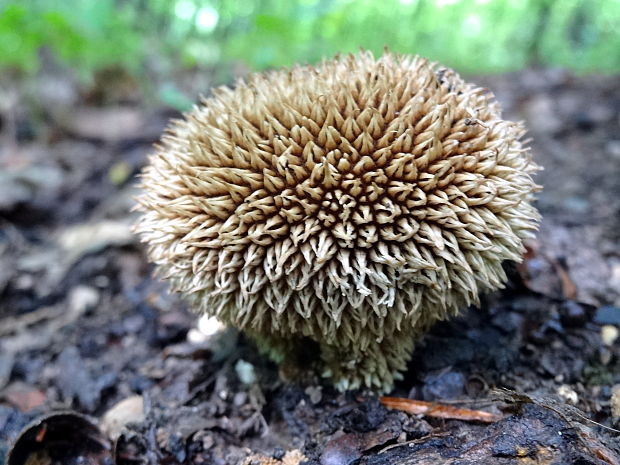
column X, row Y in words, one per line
column 84, row 325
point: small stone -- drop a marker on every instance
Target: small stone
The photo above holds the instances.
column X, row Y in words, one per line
column 24, row 282
column 245, row 372
column 129, row 410
column 209, row 325
column 208, row 442
column 568, row 394
column 196, row 337
column 609, row 334
column 240, row 399
column 82, row 298
column 315, row 393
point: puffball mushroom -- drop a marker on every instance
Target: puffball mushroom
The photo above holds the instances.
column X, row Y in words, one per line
column 353, row 203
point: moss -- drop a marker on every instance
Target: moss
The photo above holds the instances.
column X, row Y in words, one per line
column 598, row 375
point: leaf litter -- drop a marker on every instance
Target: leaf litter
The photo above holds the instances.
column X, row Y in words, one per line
column 85, row 326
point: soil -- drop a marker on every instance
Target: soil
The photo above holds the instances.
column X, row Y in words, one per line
column 84, row 325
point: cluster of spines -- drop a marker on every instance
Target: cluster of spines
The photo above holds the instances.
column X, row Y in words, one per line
column 352, row 203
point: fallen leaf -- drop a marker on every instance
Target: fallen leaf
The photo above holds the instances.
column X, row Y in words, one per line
column 24, row 397
column 433, row 409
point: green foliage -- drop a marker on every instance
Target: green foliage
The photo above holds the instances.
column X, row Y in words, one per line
column 583, row 35
column 470, row 35
column 15, row 49
column 87, row 35
column 459, row 35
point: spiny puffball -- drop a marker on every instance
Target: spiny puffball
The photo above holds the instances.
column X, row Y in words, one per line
column 352, row 203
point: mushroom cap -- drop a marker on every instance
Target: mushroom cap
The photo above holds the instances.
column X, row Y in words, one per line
column 345, row 202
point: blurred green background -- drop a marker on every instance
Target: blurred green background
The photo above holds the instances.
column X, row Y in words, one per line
column 145, row 38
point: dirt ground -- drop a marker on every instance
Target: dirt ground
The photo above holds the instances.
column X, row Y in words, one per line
column 84, row 325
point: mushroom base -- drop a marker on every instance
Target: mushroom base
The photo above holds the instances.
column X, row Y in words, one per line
column 376, row 366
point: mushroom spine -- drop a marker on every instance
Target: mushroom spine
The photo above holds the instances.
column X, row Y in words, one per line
column 353, row 203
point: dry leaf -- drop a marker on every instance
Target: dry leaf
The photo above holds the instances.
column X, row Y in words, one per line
column 433, row 409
